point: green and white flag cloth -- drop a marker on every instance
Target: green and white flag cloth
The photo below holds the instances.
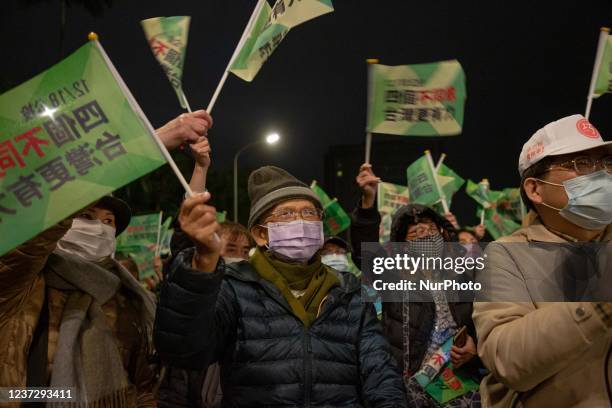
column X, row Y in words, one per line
column 511, row 204
column 497, row 224
column 603, row 83
column 268, row 30
column 142, row 231
column 450, row 182
column 482, row 193
column 68, row 136
column 335, row 219
column 391, row 197
column 416, row 100
column 143, row 256
column 167, row 37
column 166, row 237
column 421, row 183
column 221, row 216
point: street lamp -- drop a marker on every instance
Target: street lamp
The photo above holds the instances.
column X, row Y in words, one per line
column 270, row 139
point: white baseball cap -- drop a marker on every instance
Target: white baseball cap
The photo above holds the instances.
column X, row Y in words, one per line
column 567, row 135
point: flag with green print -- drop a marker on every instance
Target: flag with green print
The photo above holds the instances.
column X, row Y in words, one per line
column 482, row 193
column 68, row 136
column 416, row 100
column 511, row 204
column 144, row 257
column 166, row 237
column 221, row 216
column 268, row 30
column 335, row 219
column 143, row 230
column 421, row 183
column 167, row 37
column 450, row 182
column 496, row 224
column 392, row 197
column 603, row 83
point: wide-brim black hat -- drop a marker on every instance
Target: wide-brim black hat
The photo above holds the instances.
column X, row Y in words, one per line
column 120, row 209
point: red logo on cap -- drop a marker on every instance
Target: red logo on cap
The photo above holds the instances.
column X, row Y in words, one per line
column 585, row 128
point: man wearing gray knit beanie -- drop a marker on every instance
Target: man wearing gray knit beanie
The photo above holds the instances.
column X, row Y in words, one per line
column 286, row 329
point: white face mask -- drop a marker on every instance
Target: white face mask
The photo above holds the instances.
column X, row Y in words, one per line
column 231, row 259
column 89, row 239
column 339, row 262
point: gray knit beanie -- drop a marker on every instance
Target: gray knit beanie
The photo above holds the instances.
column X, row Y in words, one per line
column 270, row 185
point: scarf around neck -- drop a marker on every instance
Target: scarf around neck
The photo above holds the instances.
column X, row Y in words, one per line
column 87, row 357
column 313, row 281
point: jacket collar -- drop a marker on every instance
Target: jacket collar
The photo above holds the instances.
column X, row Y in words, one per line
column 538, row 232
column 244, row 271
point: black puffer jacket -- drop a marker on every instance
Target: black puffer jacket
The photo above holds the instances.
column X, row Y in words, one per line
column 267, row 356
column 364, row 228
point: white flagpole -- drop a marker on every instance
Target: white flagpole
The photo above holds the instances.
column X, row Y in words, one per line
column 184, row 99
column 368, row 141
column 246, row 31
column 601, row 45
column 368, row 147
column 143, row 117
column 436, row 182
column 440, row 161
column 482, row 215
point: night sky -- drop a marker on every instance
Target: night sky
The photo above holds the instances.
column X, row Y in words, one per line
column 527, row 63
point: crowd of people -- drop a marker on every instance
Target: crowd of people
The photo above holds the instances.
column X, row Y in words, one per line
column 273, row 313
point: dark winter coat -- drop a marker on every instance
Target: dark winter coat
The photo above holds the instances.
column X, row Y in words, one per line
column 267, row 356
column 364, row 228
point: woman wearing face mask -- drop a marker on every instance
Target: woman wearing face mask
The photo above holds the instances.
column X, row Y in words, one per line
column 417, row 329
column 285, row 329
column 71, row 316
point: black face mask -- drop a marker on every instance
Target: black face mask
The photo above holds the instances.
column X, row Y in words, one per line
column 430, row 247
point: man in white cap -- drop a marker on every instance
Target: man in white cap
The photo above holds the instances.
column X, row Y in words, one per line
column 540, row 350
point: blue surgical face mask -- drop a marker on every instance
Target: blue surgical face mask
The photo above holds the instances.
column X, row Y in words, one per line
column 339, row 262
column 589, row 203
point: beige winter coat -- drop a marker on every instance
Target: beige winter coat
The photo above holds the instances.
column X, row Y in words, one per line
column 540, row 354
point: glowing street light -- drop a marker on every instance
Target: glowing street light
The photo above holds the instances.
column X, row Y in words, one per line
column 272, row 138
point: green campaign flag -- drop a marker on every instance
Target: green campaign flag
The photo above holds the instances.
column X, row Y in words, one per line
column 144, row 256
column 603, row 83
column 167, row 37
column 143, row 230
column 335, row 219
column 391, row 197
column 449, row 383
column 481, row 193
column 68, row 136
column 511, row 204
column 416, row 100
column 496, row 224
column 450, row 182
column 221, row 216
column 268, row 30
column 421, row 183
column 166, row 237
